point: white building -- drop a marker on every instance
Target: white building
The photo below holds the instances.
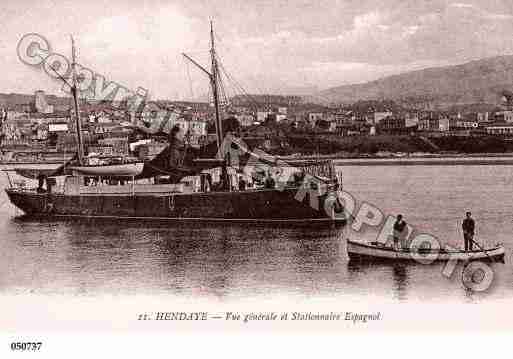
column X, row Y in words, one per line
column 499, row 129
column 482, row 117
column 378, row 116
column 262, row 116
column 505, row 116
column 58, row 127
column 245, row 120
column 443, row 124
column 280, row 117
column 411, row 120
column 467, row 124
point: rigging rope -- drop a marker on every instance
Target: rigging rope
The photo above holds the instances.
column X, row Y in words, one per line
column 237, row 85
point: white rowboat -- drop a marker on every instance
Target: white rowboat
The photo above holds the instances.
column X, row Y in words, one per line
column 375, row 251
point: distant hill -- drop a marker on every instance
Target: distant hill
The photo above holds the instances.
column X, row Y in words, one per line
column 261, row 100
column 477, row 82
column 13, row 99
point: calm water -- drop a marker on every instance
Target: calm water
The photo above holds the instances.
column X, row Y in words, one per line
column 230, row 262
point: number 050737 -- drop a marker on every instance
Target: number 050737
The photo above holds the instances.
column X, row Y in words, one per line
column 26, row 346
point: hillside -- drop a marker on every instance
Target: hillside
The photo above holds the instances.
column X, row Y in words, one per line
column 481, row 81
column 12, row 99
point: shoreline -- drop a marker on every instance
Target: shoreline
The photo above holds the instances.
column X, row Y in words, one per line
column 502, row 159
column 505, row 159
column 427, row 162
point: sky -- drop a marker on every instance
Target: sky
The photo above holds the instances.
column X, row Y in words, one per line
column 266, row 46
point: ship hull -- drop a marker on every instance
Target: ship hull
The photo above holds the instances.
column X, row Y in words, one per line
column 265, row 206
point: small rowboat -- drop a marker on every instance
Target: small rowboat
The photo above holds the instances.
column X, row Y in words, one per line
column 375, row 251
column 126, row 169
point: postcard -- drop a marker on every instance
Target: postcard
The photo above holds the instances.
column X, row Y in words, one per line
column 197, row 168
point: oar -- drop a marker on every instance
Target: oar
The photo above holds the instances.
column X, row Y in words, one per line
column 481, row 248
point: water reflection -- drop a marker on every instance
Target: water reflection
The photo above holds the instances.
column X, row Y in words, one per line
column 388, row 279
column 87, row 257
column 400, row 276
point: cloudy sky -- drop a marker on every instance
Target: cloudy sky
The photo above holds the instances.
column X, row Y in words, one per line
column 266, row 45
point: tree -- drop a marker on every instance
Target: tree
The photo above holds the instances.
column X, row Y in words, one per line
column 231, row 124
column 270, row 122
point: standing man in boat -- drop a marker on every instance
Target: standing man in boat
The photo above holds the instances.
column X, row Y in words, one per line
column 468, row 227
column 399, row 232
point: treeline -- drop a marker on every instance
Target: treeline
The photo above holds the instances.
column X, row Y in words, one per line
column 487, row 144
column 332, row 144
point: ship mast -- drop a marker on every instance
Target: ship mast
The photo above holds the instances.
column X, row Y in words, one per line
column 78, row 123
column 214, row 78
column 215, row 88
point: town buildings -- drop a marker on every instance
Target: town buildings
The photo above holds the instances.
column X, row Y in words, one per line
column 115, row 129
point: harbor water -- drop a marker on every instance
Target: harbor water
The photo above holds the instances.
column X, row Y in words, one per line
column 234, row 261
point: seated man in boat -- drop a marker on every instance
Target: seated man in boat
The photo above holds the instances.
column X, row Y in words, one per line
column 468, row 227
column 399, row 233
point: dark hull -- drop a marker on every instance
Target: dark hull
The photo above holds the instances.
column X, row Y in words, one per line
column 260, row 206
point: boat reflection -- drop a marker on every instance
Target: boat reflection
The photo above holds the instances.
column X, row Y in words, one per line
column 193, row 259
column 386, row 277
column 400, row 276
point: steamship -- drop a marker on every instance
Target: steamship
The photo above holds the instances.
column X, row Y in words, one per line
column 205, row 189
